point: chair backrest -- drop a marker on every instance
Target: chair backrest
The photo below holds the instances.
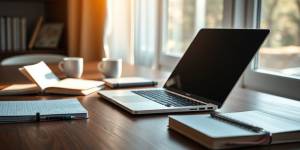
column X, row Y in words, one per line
column 31, row 59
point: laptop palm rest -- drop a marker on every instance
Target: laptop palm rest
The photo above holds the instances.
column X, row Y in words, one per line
column 135, row 102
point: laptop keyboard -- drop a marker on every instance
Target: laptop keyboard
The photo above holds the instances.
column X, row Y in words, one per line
column 166, row 98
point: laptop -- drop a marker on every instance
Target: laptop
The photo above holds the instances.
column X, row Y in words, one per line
column 202, row 79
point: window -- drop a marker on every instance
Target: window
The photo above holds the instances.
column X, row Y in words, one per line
column 184, row 18
column 281, row 51
column 276, row 68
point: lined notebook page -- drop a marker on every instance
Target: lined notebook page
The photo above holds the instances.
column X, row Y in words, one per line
column 44, row 107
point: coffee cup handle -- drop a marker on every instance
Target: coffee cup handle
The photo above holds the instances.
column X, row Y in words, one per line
column 60, row 66
column 99, row 66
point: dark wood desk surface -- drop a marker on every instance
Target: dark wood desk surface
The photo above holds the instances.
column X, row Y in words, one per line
column 109, row 127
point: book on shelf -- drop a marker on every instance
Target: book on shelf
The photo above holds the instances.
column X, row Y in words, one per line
column 23, row 32
column 45, row 81
column 218, row 133
column 36, row 31
column 16, row 33
column 2, row 34
column 8, row 33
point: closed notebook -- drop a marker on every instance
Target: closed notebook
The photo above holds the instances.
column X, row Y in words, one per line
column 47, row 82
column 26, row 111
column 128, row 82
column 217, row 134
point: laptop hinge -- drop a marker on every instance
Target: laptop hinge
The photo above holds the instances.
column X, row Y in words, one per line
column 190, row 98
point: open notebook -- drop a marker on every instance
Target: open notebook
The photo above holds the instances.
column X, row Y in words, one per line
column 217, row 134
column 46, row 81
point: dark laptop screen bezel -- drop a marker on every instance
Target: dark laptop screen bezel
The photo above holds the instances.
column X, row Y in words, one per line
column 251, row 40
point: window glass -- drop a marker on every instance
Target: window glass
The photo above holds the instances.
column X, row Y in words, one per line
column 183, row 20
column 281, row 50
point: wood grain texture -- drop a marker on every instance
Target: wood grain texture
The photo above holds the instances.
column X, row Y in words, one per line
column 110, row 127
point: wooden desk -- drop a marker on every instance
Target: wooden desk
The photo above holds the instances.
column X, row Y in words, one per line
column 109, row 127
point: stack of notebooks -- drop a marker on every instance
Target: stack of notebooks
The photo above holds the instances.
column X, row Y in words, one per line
column 45, row 81
column 262, row 128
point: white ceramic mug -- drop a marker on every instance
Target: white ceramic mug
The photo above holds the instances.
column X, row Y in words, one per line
column 111, row 68
column 72, row 67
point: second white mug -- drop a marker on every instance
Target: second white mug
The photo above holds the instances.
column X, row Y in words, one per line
column 111, row 68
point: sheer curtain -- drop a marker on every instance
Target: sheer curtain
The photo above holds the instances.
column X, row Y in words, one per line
column 131, row 31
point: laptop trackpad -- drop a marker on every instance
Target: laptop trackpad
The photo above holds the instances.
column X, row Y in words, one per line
column 137, row 102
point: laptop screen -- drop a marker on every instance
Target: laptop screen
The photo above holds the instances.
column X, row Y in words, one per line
column 214, row 62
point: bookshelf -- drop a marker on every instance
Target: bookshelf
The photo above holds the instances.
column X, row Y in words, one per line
column 53, row 11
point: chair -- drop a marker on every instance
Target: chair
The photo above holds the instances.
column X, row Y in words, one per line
column 31, row 59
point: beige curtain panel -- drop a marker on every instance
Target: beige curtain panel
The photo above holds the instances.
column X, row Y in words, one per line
column 86, row 28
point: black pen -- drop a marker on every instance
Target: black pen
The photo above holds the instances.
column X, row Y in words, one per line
column 50, row 118
column 236, row 122
column 56, row 117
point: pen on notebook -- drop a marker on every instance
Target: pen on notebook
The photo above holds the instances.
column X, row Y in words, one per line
column 56, row 117
column 236, row 122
